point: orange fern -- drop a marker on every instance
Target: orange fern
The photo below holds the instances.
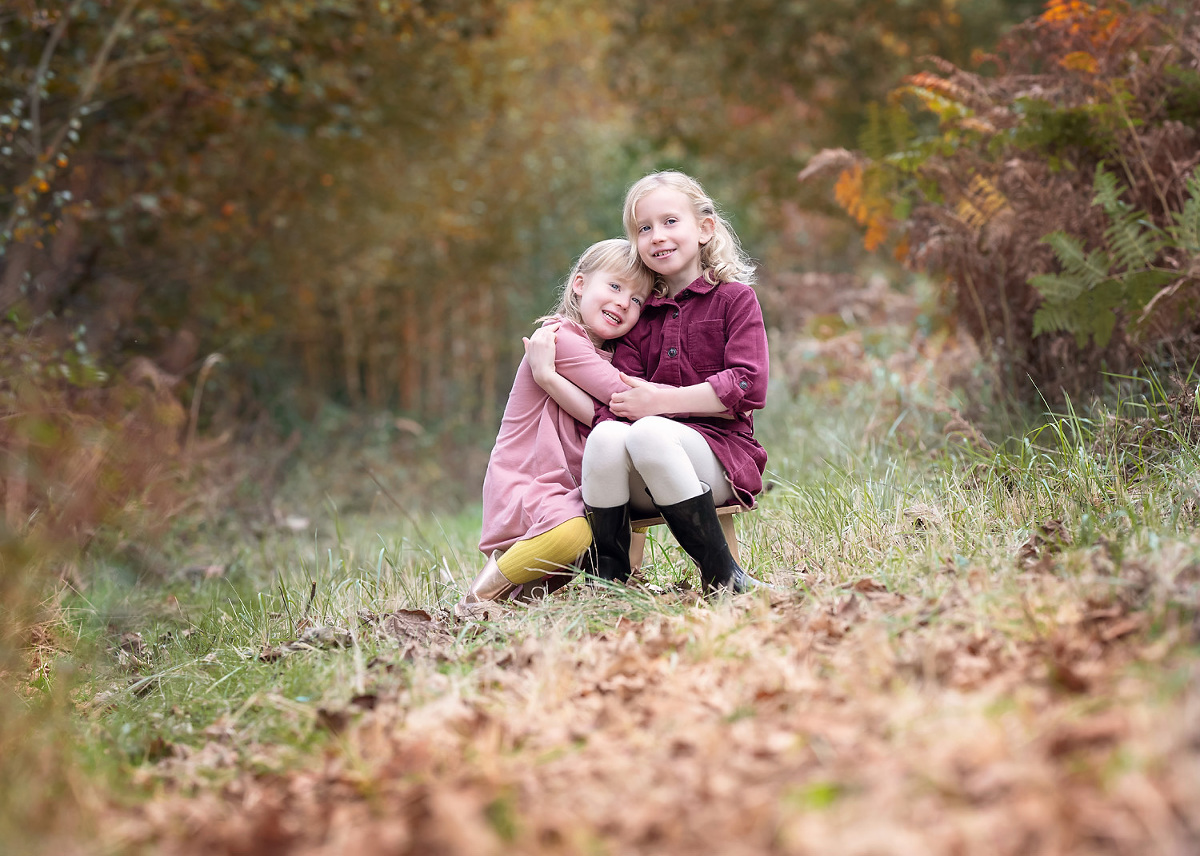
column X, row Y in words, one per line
column 1075, row 17
column 980, row 203
column 946, row 88
column 1079, row 61
column 867, row 208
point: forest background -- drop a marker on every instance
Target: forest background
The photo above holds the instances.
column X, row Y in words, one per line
column 307, row 223
column 243, row 241
column 331, row 222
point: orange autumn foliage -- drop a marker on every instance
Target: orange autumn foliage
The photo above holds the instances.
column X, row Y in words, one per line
column 868, row 209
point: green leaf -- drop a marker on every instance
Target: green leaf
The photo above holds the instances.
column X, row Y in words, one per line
column 1092, row 267
column 1056, row 287
column 1108, row 192
column 1103, row 321
column 1185, row 231
column 1052, row 317
column 1141, row 287
column 1096, row 312
column 1135, row 242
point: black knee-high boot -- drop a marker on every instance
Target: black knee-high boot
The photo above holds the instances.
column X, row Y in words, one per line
column 696, row 527
column 610, row 541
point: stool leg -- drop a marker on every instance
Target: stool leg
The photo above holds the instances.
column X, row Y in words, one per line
column 637, row 550
column 731, row 536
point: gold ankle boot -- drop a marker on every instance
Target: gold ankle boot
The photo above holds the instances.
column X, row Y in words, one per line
column 488, row 586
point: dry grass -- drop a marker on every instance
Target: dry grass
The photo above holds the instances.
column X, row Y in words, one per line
column 1026, row 713
column 975, row 645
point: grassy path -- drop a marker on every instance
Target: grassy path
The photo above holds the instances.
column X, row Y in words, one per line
column 1027, row 715
column 972, row 648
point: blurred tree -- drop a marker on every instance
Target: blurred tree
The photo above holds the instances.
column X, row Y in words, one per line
column 153, row 154
column 1056, row 199
column 302, row 179
column 367, row 200
column 747, row 91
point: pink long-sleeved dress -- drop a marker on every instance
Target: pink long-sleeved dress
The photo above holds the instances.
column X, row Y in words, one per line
column 533, row 475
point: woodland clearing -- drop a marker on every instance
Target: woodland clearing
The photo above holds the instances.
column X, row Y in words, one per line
column 973, row 646
column 237, row 423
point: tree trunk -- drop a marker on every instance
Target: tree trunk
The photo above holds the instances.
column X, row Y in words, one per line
column 410, row 378
column 18, row 258
column 350, row 351
column 435, row 355
column 486, row 327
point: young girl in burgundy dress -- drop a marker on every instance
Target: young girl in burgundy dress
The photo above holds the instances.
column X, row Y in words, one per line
column 699, row 354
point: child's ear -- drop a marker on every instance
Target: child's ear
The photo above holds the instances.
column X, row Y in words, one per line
column 577, row 285
column 708, row 228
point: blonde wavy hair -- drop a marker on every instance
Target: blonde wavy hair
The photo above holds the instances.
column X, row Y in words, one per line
column 616, row 256
column 722, row 258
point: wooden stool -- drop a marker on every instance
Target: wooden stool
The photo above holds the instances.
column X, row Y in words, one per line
column 637, row 544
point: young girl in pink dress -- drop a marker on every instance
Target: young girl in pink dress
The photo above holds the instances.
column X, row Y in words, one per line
column 533, row 515
column 699, row 354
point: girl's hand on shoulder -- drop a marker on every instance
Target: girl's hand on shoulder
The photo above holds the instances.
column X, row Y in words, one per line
column 540, row 351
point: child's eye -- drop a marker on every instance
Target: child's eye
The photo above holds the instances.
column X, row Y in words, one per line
column 615, row 286
column 643, row 228
column 638, row 301
column 671, row 221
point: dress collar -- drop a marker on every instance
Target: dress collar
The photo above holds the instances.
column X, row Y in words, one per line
column 700, row 285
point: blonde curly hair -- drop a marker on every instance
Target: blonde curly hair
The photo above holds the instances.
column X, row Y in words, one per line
column 722, row 258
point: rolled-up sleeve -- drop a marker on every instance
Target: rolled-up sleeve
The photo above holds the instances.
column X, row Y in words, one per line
column 742, row 385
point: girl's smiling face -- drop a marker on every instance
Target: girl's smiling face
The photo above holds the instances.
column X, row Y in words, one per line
column 669, row 236
column 609, row 304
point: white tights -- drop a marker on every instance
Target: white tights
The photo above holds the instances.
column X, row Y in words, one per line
column 674, row 461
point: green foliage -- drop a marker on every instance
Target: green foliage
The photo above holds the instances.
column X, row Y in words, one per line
column 1083, row 299
column 1185, row 231
column 1065, row 134
column 1004, row 178
column 364, row 203
column 1183, row 101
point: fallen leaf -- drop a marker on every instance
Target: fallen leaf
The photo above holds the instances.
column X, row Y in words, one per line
column 1097, row 731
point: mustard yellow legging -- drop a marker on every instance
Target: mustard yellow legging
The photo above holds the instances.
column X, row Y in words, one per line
column 551, row 551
